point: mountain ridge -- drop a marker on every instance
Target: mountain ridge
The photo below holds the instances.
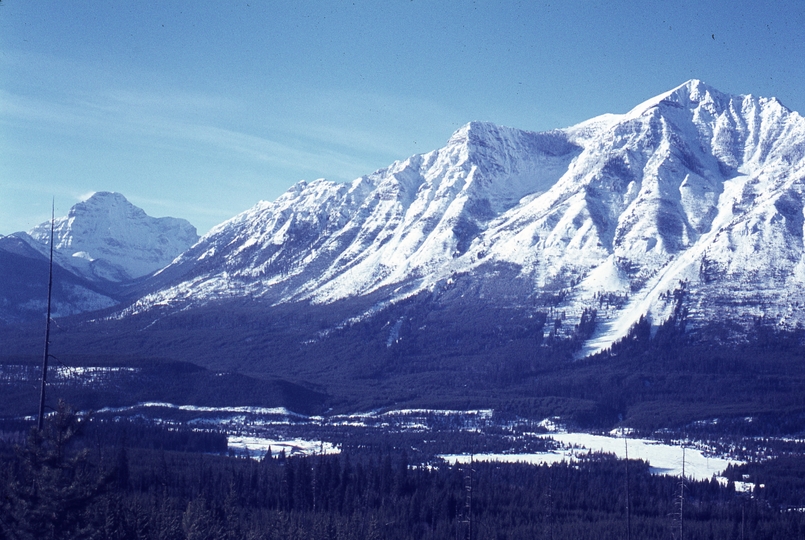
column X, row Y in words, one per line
column 690, row 203
column 634, row 205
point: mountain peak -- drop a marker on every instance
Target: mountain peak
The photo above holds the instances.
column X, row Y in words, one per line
column 689, row 95
column 106, row 203
column 107, row 197
column 695, row 91
column 107, row 237
column 473, row 133
column 694, row 86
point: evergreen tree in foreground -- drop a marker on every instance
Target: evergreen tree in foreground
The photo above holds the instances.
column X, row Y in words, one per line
column 48, row 489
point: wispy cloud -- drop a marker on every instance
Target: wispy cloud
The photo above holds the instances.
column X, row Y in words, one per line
column 207, row 155
column 361, row 122
column 337, row 133
column 85, row 196
column 163, row 122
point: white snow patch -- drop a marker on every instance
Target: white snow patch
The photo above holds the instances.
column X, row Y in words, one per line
column 663, row 458
column 258, row 446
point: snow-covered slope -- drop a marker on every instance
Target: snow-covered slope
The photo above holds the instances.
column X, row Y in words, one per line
column 693, row 196
column 408, row 223
column 108, row 238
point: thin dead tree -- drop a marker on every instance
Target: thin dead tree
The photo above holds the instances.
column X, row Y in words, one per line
column 46, row 355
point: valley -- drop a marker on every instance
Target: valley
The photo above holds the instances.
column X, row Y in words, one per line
column 525, row 306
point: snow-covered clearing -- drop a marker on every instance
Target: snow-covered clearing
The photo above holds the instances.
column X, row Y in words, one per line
column 257, row 447
column 663, row 458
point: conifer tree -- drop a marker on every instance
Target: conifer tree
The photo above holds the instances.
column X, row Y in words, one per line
column 49, row 491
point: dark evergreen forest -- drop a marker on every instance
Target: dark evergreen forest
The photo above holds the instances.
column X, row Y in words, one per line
column 466, row 356
column 77, row 480
column 85, row 477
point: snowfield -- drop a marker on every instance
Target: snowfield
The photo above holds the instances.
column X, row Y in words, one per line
column 663, row 458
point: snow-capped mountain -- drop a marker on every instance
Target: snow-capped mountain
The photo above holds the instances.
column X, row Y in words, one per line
column 107, row 238
column 325, row 241
column 693, row 196
column 100, row 247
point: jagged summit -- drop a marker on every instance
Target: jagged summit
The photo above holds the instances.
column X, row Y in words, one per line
column 111, row 204
column 106, row 237
column 687, row 95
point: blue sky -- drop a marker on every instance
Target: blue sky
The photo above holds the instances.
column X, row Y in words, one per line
column 200, row 109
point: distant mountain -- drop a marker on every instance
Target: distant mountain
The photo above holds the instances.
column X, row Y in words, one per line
column 24, row 286
column 100, row 248
column 108, row 238
column 688, row 206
